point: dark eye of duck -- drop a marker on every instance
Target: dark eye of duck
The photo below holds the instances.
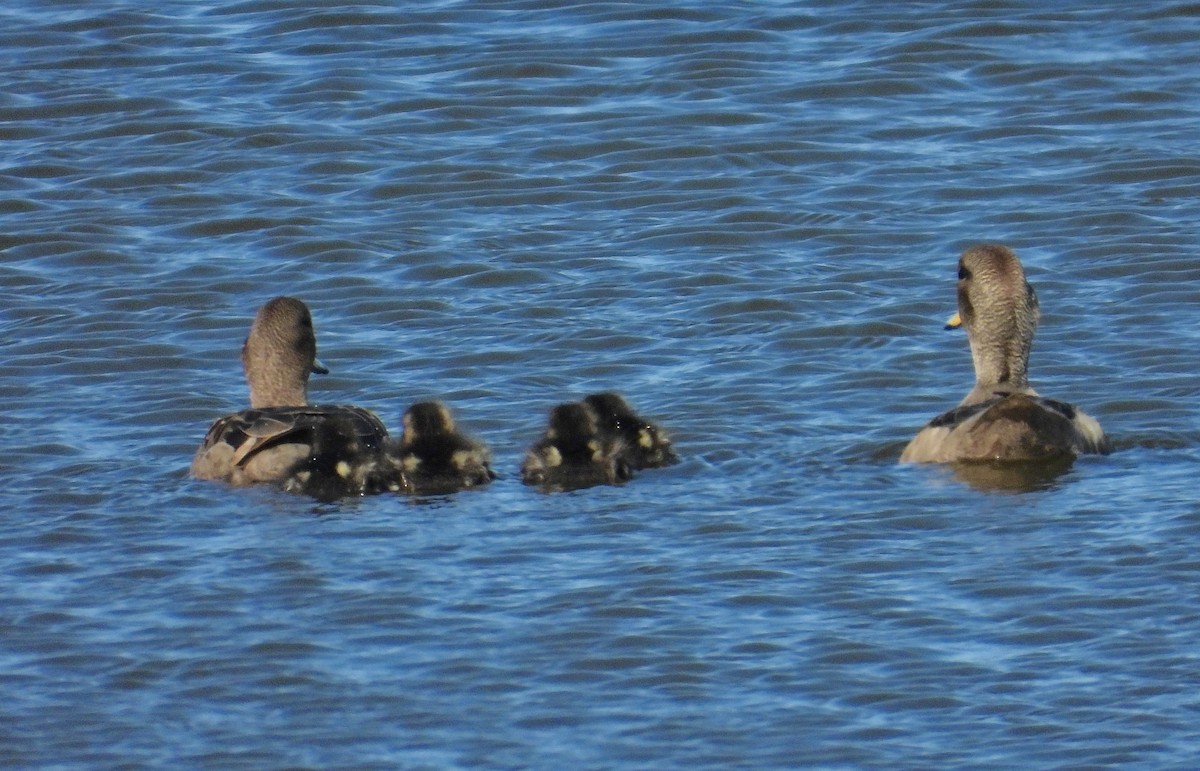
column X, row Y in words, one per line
column 963, row 273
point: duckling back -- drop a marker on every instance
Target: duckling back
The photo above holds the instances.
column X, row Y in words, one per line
column 644, row 444
column 434, row 458
column 574, row 453
column 341, row 462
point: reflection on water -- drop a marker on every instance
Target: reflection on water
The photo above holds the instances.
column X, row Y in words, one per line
column 1012, row 477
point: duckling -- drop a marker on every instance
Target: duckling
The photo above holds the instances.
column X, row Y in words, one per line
column 433, row 458
column 574, row 452
column 645, row 445
column 265, row 443
column 1002, row 418
column 340, row 463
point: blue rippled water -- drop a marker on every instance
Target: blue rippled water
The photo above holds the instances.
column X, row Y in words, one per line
column 745, row 217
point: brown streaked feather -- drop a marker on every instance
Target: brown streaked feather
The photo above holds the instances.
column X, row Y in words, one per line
column 273, row 438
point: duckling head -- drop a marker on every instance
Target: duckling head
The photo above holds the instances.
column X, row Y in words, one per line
column 573, row 426
column 425, row 420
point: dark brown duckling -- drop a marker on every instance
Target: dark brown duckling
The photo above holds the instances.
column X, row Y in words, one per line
column 434, row 458
column 574, row 452
column 341, row 463
column 644, row 444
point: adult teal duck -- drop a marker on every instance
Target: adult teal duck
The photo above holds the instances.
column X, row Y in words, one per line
column 281, row 439
column 1002, row 418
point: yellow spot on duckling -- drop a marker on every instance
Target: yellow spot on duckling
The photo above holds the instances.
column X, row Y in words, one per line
column 343, row 469
column 553, row 457
column 644, row 438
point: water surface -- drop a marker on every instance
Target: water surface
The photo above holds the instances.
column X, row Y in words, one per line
column 743, row 216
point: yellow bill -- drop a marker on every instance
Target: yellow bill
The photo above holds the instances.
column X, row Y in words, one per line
column 954, row 322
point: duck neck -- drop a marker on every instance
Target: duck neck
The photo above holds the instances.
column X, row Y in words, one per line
column 270, row 387
column 1002, row 361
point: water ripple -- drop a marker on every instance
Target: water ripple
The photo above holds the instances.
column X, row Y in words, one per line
column 745, row 218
